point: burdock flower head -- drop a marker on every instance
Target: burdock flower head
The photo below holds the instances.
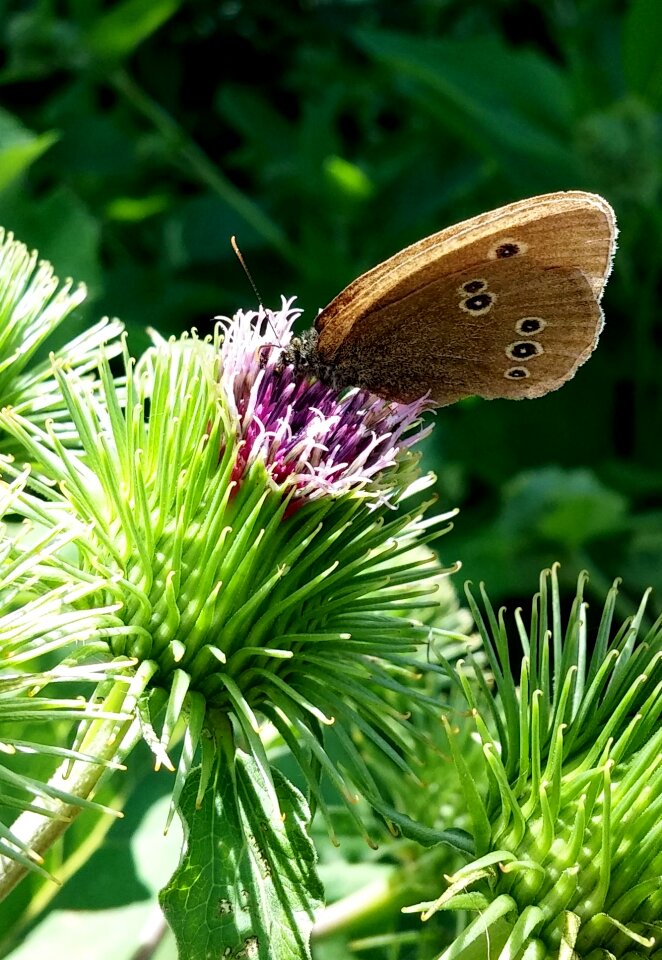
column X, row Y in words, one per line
column 313, row 441
column 240, row 522
column 33, row 304
column 564, row 787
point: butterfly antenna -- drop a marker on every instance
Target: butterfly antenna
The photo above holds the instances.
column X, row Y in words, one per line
column 240, row 258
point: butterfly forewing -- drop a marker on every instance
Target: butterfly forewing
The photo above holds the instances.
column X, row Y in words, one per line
column 410, row 325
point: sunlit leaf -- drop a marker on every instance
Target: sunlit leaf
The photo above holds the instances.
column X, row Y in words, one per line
column 124, row 27
column 247, row 879
column 19, row 147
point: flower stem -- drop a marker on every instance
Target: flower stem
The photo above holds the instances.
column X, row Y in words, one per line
column 109, row 739
column 197, row 161
column 387, row 895
column 357, row 907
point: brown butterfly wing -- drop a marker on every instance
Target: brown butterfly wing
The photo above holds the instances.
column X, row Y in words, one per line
column 387, row 323
column 504, row 329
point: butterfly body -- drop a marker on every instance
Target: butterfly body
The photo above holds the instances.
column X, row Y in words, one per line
column 506, row 304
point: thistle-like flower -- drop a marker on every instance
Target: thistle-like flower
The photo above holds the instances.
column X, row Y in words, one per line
column 567, row 837
column 32, row 305
column 240, row 523
column 44, row 611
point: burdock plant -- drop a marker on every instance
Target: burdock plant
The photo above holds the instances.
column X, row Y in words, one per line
column 222, row 546
column 565, row 807
column 33, row 304
column 212, row 552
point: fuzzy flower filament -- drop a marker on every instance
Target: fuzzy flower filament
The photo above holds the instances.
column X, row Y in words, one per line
column 311, row 438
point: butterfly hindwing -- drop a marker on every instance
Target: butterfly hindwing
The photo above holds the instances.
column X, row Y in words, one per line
column 468, row 332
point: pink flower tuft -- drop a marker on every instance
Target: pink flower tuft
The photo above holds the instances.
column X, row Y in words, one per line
column 311, row 437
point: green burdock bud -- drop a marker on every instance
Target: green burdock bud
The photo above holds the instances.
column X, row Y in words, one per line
column 568, row 837
column 44, row 611
column 32, row 306
column 243, row 521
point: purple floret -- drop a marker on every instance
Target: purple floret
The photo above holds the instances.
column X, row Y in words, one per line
column 310, row 436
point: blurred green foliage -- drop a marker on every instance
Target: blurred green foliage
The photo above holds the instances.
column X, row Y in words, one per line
column 136, row 137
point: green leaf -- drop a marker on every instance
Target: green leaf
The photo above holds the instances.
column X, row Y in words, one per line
column 268, row 133
column 80, row 934
column 570, row 507
column 19, row 147
column 642, row 49
column 454, row 837
column 135, row 209
column 348, row 179
column 61, row 227
column 117, row 34
column 247, row 884
column 497, row 99
column 113, row 913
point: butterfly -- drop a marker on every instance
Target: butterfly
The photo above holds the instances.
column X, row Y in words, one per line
column 506, row 304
